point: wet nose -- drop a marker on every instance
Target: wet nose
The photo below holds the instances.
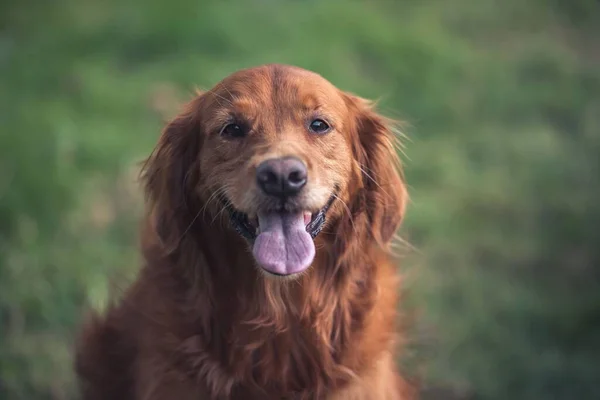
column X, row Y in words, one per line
column 281, row 177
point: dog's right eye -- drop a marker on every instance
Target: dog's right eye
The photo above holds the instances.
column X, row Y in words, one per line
column 234, row 131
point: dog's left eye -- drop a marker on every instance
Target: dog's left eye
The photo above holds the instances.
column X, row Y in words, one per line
column 319, row 126
column 234, row 130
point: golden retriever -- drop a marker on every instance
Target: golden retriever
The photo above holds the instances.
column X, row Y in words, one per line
column 272, row 201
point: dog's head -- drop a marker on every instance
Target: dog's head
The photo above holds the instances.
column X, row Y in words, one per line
column 284, row 153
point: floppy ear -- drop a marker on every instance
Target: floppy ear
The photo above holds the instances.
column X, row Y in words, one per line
column 375, row 149
column 170, row 176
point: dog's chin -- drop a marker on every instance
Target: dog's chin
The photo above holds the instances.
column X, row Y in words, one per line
column 279, row 277
column 282, row 240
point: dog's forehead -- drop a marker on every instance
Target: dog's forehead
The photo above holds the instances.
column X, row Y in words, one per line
column 277, row 85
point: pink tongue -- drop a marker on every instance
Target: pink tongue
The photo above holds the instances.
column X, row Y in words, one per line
column 283, row 246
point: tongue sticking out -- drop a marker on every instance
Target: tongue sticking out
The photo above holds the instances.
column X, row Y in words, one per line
column 283, row 246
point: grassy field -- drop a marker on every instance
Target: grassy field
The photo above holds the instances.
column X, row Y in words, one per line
column 502, row 104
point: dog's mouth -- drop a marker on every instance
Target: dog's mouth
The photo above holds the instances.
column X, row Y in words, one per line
column 281, row 240
column 250, row 228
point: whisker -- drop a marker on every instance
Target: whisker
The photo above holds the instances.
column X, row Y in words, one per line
column 189, row 226
column 218, row 96
column 348, row 211
column 228, row 92
column 202, row 210
column 213, row 197
column 219, row 214
column 372, row 179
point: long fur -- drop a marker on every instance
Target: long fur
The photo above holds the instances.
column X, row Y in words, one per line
column 201, row 322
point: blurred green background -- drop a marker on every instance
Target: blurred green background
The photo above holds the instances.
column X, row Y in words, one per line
column 503, row 160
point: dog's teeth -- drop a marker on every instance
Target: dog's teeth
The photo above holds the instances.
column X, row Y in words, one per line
column 307, row 218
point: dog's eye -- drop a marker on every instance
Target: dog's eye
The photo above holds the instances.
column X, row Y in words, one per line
column 319, row 126
column 234, row 131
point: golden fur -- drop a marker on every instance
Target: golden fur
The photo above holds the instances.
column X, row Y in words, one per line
column 202, row 321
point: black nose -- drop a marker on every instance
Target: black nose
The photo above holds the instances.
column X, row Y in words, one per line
column 281, row 177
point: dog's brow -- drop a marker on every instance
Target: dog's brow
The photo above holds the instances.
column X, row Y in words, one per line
column 310, row 103
column 242, row 105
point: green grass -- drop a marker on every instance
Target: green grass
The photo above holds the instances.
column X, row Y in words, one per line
column 503, row 107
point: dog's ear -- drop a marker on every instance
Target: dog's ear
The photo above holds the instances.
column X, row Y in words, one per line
column 375, row 147
column 171, row 174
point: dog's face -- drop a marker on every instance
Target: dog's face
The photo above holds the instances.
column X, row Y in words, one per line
column 276, row 140
column 281, row 149
column 278, row 151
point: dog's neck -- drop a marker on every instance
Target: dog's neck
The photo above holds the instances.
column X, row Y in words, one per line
column 267, row 333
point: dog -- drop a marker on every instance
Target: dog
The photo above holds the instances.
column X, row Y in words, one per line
column 272, row 201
